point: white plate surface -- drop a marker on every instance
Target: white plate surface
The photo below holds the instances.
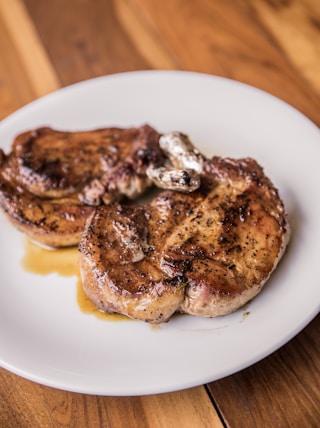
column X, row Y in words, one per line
column 45, row 337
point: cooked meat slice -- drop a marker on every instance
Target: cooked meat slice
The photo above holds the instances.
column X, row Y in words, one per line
column 2, row 158
column 119, row 270
column 204, row 253
column 233, row 240
column 51, row 223
column 50, row 178
column 55, row 164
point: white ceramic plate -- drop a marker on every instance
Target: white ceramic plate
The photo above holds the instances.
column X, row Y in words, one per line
column 45, row 337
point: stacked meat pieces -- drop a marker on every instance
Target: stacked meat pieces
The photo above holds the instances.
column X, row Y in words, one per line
column 205, row 246
column 51, row 181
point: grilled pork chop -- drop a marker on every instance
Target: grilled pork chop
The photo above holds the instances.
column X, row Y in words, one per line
column 204, row 253
column 51, row 180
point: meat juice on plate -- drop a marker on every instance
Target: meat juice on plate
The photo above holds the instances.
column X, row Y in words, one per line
column 64, row 262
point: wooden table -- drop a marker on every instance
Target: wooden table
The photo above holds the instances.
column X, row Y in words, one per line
column 271, row 44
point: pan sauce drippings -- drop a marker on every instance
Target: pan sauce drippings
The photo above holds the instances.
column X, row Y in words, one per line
column 64, row 262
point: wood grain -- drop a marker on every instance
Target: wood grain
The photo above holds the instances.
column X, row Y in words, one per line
column 145, row 39
column 202, row 35
column 30, row 405
column 263, row 392
column 25, row 70
column 206, row 37
column 295, row 26
column 84, row 41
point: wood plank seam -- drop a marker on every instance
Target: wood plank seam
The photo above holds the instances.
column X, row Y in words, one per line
column 215, row 406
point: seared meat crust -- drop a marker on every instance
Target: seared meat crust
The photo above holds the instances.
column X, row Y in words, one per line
column 204, row 253
column 119, row 273
column 55, row 164
column 51, row 223
column 51, row 180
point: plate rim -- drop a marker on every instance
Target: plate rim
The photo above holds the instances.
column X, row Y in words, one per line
column 124, row 75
